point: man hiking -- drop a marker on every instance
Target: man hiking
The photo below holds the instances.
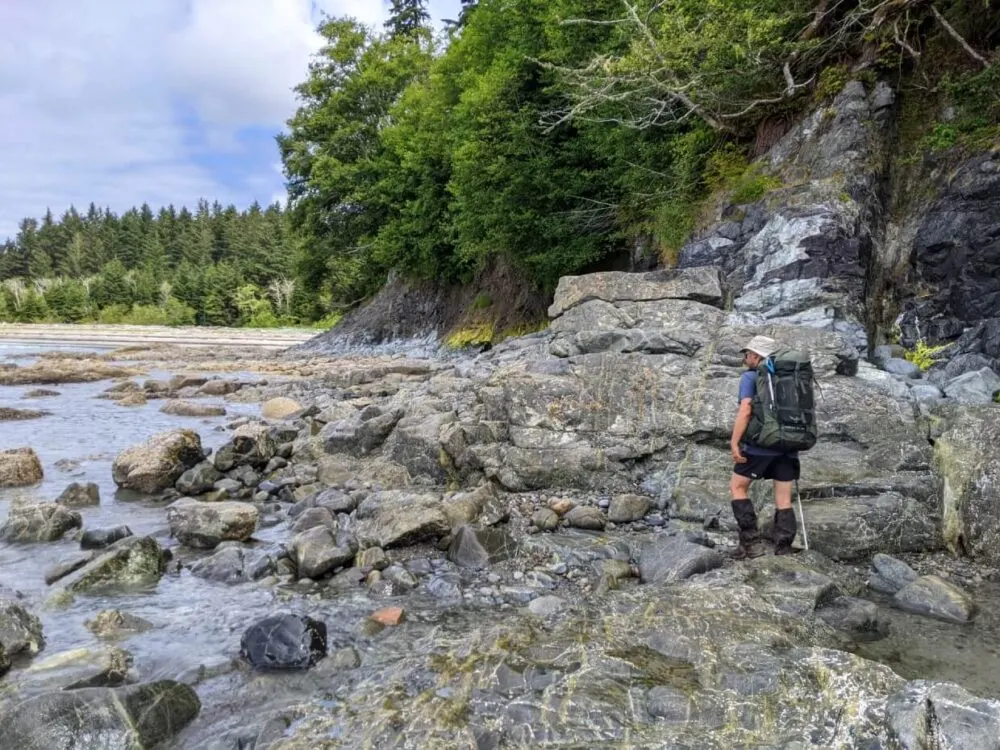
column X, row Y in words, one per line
column 756, row 462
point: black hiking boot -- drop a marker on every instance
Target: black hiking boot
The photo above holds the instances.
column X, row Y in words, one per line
column 750, row 545
column 785, row 527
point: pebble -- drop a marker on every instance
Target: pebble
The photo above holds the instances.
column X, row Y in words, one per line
column 518, row 575
column 494, row 578
column 655, row 520
column 559, row 568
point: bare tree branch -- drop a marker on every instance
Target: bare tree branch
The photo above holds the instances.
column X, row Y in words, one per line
column 958, row 38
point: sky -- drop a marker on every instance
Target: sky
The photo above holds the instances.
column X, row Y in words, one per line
column 122, row 102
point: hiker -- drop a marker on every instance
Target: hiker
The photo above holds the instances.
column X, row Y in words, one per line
column 755, row 462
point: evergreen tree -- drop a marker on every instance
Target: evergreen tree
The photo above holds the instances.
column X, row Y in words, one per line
column 407, row 17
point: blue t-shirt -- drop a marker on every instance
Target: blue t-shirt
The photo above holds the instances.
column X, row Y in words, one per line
column 748, row 389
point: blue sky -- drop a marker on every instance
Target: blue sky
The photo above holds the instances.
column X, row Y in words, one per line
column 122, row 102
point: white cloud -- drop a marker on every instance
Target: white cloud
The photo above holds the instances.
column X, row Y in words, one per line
column 100, row 97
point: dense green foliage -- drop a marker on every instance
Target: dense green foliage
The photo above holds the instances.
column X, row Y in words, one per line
column 217, row 266
column 540, row 134
column 552, row 133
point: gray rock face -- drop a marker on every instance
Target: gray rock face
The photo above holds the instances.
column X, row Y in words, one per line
column 852, row 528
column 205, row 525
column 159, row 462
column 125, row 718
column 935, row 597
column 284, row 641
column 967, row 456
column 400, row 518
column 44, row 522
column 674, row 559
column 929, row 715
column 478, row 549
column 955, row 254
column 78, row 495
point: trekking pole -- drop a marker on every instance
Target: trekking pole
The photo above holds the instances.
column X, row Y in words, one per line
column 802, row 516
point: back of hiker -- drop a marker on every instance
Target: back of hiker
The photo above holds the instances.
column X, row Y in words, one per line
column 775, row 420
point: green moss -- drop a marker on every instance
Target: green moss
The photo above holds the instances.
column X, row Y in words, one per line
column 924, row 356
column 473, row 335
column 832, row 81
column 482, row 301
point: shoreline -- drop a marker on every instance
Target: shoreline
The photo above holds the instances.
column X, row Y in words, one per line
column 129, row 335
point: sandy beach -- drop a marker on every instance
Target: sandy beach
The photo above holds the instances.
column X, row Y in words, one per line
column 126, row 335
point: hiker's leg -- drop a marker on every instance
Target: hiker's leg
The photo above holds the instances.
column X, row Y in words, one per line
column 744, row 513
column 782, row 495
column 786, row 471
column 739, row 486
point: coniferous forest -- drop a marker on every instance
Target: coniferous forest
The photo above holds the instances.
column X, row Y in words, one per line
column 543, row 134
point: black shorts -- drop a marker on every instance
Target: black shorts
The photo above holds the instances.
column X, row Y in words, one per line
column 779, row 468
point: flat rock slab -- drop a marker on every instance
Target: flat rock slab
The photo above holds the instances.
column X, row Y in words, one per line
column 934, row 597
column 698, row 284
column 674, row 558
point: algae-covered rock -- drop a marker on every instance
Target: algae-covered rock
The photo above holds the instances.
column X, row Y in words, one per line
column 157, row 463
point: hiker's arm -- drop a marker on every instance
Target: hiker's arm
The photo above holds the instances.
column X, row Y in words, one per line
column 740, row 427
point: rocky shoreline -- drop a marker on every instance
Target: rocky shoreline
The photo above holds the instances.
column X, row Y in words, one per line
column 524, row 547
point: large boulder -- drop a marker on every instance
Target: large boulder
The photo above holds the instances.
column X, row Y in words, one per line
column 19, row 467
column 967, row 456
column 157, row 463
column 43, row 522
column 132, row 561
column 400, row 518
column 205, row 525
column 134, row 717
column 284, row 641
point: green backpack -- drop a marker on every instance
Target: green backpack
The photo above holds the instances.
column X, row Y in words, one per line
column 784, row 410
